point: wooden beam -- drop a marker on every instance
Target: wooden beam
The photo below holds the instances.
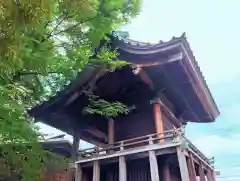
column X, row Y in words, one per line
column 160, row 150
column 96, row 171
column 122, row 169
column 78, row 174
column 153, row 166
column 110, row 131
column 183, row 165
column 97, row 133
column 158, row 121
column 144, row 77
column 201, row 172
column 191, row 168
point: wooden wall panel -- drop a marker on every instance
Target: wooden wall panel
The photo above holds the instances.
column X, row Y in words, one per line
column 135, row 125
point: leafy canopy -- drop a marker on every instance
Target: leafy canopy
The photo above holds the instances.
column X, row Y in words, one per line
column 44, row 43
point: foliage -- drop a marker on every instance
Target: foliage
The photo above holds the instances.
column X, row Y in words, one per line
column 44, row 43
column 101, row 107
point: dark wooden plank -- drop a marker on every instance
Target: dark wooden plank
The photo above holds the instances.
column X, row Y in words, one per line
column 122, row 169
column 153, row 166
column 183, row 165
column 166, row 172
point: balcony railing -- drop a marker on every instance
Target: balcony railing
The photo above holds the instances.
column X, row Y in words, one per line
column 165, row 139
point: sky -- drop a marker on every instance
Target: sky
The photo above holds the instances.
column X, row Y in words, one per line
column 213, row 33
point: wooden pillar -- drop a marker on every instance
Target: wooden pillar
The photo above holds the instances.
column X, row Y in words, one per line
column 213, row 173
column 96, row 171
column 166, row 171
column 76, row 141
column 191, row 168
column 183, row 165
column 122, row 169
column 201, row 173
column 158, row 121
column 78, row 175
column 209, row 175
column 110, row 131
column 153, row 166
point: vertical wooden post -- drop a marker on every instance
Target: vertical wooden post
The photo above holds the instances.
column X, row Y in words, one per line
column 78, row 174
column 76, row 141
column 213, row 175
column 153, row 166
column 201, row 173
column 158, row 121
column 183, row 165
column 166, row 172
column 122, row 169
column 96, row 171
column 110, row 131
column 191, row 168
column 209, row 175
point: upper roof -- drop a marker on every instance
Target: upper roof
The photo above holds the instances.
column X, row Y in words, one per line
column 176, row 49
column 170, row 65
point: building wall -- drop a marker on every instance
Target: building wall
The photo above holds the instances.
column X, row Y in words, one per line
column 135, row 124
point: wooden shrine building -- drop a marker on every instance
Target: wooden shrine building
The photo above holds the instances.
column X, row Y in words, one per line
column 166, row 88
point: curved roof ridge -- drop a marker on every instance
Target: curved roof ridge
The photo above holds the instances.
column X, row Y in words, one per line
column 141, row 44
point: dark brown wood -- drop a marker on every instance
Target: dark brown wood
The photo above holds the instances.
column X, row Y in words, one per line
column 191, row 168
column 201, row 173
column 153, row 166
column 158, row 121
column 183, row 165
column 144, row 77
column 166, row 171
column 110, row 131
column 122, row 169
column 98, row 133
column 96, row 171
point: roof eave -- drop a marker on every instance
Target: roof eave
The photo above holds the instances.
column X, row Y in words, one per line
column 202, row 85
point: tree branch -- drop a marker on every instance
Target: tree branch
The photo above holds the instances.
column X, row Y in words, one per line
column 23, row 73
column 74, row 26
column 58, row 24
column 84, row 21
column 35, row 73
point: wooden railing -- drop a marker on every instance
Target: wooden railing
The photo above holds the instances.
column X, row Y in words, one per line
column 197, row 151
column 167, row 136
column 170, row 136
